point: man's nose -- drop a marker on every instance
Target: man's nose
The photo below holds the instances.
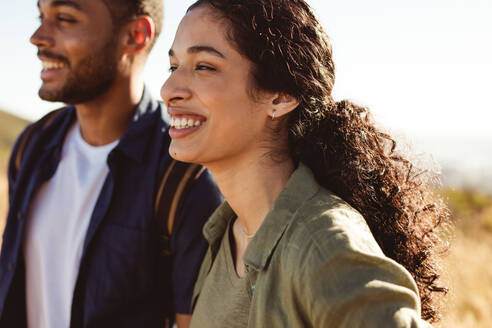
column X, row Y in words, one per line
column 41, row 38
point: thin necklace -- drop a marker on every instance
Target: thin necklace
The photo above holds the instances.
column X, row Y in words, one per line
column 251, row 236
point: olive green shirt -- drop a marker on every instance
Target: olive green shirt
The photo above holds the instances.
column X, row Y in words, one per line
column 314, row 263
column 228, row 291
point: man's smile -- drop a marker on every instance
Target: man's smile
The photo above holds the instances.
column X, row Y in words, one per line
column 51, row 68
column 48, row 65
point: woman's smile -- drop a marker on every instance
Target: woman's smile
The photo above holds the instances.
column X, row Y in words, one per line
column 183, row 125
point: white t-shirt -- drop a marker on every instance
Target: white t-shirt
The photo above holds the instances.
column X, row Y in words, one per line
column 57, row 223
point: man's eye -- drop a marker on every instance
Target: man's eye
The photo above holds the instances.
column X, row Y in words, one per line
column 40, row 17
column 202, row 67
column 172, row 68
column 65, row 19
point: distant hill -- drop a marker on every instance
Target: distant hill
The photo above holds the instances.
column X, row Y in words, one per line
column 10, row 128
column 466, row 161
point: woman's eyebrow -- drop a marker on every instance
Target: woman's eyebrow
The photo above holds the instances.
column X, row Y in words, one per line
column 197, row 49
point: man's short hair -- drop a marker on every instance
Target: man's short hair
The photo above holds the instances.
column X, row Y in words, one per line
column 122, row 11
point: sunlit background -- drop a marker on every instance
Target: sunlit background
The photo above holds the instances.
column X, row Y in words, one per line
column 424, row 67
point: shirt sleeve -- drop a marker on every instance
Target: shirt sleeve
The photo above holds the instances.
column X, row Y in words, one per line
column 187, row 241
column 352, row 289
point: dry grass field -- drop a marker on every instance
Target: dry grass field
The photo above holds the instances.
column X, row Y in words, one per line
column 467, row 263
column 470, row 269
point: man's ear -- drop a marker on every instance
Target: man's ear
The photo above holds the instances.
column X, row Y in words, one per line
column 282, row 104
column 139, row 34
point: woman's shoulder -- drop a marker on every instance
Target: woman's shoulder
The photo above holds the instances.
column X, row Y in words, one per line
column 334, row 263
column 330, row 225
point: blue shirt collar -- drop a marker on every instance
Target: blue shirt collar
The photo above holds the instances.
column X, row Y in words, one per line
column 137, row 137
column 134, row 141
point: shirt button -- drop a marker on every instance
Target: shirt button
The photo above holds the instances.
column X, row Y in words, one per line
column 11, row 267
column 19, row 216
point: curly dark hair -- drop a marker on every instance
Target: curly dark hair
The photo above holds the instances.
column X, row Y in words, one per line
column 124, row 10
column 349, row 155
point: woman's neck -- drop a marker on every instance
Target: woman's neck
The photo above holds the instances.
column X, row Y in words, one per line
column 251, row 187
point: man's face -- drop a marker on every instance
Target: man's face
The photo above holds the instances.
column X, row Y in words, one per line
column 78, row 48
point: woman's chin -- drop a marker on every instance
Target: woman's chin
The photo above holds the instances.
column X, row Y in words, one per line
column 182, row 155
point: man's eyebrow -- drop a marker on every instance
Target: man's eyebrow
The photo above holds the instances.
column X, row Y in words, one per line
column 59, row 3
column 197, row 49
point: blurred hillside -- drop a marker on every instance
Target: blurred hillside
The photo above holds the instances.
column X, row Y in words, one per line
column 466, row 161
column 467, row 265
column 10, row 128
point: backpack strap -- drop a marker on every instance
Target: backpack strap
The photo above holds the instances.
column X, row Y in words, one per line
column 35, row 127
column 175, row 184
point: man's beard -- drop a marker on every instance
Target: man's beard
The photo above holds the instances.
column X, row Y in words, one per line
column 92, row 77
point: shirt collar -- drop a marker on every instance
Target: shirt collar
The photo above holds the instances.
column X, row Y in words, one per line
column 59, row 127
column 216, row 225
column 300, row 187
column 136, row 138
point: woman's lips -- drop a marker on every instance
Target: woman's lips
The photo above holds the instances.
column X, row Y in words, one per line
column 186, row 121
column 184, row 124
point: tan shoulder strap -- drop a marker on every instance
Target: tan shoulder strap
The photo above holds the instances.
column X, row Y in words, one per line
column 175, row 183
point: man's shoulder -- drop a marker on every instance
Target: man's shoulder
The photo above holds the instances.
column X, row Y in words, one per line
column 50, row 122
column 54, row 115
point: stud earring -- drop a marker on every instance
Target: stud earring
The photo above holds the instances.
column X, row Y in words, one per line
column 273, row 114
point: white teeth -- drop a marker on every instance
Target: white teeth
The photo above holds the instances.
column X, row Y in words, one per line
column 183, row 123
column 52, row 65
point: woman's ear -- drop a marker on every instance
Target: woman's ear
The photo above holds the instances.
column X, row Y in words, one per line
column 282, row 104
column 139, row 34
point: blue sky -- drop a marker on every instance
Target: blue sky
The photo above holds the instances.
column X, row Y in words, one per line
column 424, row 67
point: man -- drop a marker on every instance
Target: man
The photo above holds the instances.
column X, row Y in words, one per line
column 81, row 246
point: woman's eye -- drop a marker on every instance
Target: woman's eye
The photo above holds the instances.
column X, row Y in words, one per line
column 202, row 67
column 172, row 68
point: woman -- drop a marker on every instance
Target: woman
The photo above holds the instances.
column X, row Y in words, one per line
column 249, row 97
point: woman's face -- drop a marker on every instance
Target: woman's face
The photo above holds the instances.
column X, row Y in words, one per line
column 213, row 118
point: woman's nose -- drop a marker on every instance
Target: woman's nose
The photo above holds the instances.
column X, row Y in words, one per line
column 175, row 88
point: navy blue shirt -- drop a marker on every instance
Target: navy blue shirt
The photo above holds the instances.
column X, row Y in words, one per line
column 123, row 280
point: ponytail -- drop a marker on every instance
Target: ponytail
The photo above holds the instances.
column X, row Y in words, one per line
column 351, row 157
